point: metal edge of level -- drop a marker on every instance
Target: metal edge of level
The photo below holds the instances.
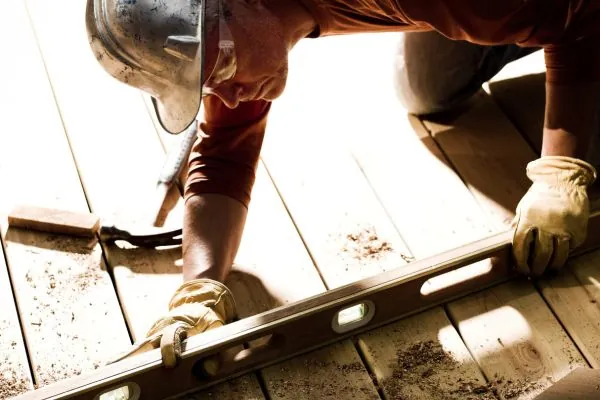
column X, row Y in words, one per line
column 285, row 324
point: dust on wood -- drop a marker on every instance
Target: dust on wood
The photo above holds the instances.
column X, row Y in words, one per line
column 422, row 364
column 364, row 245
column 12, row 374
column 11, row 384
column 72, row 322
column 305, row 383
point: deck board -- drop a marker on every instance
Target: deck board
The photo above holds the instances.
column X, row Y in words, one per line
column 267, row 272
column 520, row 92
column 490, row 155
column 342, row 171
column 15, row 376
column 118, row 158
column 57, row 280
column 326, row 191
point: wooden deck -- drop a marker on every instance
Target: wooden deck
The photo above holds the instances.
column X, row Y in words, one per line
column 349, row 186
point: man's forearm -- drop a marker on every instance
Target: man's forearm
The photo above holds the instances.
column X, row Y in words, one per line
column 212, row 231
column 571, row 119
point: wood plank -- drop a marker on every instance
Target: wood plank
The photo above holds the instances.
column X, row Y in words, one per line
column 272, row 267
column 15, row 376
column 62, row 288
column 516, row 339
column 489, row 155
column 497, row 180
column 329, row 197
column 423, row 357
column 575, row 301
column 581, row 384
column 520, row 92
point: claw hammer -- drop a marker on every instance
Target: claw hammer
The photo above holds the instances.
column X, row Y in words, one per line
column 174, row 169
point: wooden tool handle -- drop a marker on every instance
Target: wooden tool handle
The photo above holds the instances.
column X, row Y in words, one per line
column 54, row 221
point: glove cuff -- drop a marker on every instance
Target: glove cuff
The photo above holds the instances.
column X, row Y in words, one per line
column 560, row 170
column 212, row 294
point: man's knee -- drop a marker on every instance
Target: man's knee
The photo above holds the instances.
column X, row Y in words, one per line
column 434, row 73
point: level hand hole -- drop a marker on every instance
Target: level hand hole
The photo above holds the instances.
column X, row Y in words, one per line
column 455, row 277
column 353, row 316
column 127, row 391
column 228, row 359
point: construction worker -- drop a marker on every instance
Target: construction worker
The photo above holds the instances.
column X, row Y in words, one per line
column 232, row 56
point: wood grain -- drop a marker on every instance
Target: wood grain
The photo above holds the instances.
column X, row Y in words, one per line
column 581, row 384
column 119, row 157
column 516, row 339
column 325, row 189
column 15, row 376
column 62, row 288
column 520, row 92
column 490, row 156
column 279, row 265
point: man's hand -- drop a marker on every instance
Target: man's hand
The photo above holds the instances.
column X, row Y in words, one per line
column 197, row 306
column 551, row 219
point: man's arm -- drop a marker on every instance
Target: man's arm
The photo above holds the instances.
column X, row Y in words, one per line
column 221, row 175
column 570, row 119
column 572, row 94
column 212, row 228
column 551, row 218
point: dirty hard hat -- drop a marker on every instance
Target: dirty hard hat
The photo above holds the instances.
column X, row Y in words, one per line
column 155, row 46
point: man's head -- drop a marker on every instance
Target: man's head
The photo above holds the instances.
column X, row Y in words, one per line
column 155, row 46
column 179, row 50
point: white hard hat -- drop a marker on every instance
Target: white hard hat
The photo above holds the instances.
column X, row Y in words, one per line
column 155, row 46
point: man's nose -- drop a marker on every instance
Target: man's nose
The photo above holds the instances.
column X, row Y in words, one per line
column 229, row 94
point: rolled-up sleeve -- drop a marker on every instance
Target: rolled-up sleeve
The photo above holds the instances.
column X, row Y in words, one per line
column 225, row 155
column 575, row 56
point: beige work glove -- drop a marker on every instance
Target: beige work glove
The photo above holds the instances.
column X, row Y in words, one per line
column 196, row 307
column 552, row 218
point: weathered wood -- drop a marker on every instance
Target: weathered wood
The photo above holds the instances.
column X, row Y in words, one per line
column 573, row 297
column 146, row 279
column 416, row 186
column 520, row 92
column 324, row 188
column 343, row 226
column 332, row 372
column 15, row 376
column 490, row 156
column 62, row 289
column 130, row 156
column 581, row 384
column 515, row 339
column 423, row 357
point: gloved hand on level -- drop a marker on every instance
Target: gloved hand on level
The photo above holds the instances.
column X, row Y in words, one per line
column 551, row 219
column 197, row 306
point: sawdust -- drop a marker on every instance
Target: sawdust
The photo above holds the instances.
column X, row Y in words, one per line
column 11, row 384
column 13, row 380
column 365, row 244
column 425, row 365
column 69, row 308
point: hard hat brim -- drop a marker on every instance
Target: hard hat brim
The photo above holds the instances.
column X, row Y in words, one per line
column 178, row 109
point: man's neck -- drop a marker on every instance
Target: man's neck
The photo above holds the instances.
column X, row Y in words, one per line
column 295, row 19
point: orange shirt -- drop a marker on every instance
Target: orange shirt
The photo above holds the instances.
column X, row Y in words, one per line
column 226, row 153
